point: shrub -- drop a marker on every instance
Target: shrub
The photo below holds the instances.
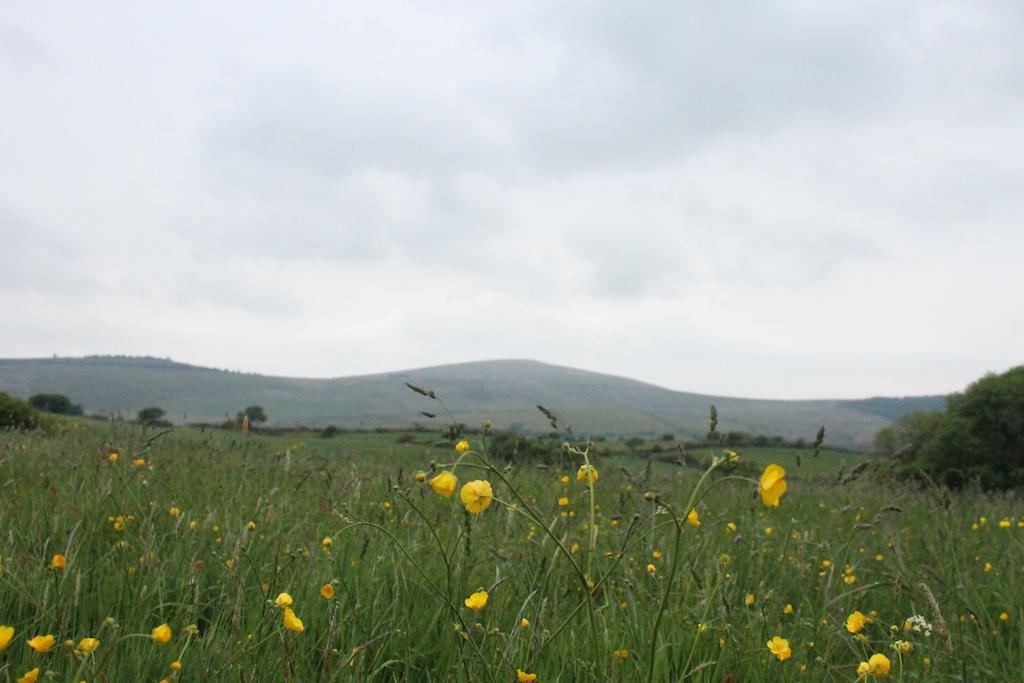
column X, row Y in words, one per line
column 54, row 403
column 15, row 414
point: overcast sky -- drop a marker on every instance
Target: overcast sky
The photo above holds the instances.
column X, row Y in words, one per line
column 770, row 199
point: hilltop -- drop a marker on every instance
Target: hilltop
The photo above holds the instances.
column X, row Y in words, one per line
column 503, row 391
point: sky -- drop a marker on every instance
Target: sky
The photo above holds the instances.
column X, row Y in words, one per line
column 765, row 199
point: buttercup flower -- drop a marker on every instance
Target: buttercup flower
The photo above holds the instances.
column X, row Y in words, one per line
column 476, row 495
column 6, row 633
column 780, row 648
column 58, row 562
column 693, row 519
column 749, row 600
column 524, row 623
column 587, row 474
column 903, row 647
column 444, row 484
column 788, row 609
column 292, row 622
column 283, row 600
column 773, row 485
column 42, row 644
column 620, row 654
column 477, row 600
column 88, row 645
column 176, row 665
column 421, row 476
column 161, row 634
column 856, row 621
column 327, row 591
column 525, row 677
column 563, row 501
column 462, row 446
column 565, row 480
column 877, row 665
column 30, row 676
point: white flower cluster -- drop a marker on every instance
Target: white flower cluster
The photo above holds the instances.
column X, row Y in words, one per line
column 919, row 624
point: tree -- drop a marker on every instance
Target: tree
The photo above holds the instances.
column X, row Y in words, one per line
column 980, row 436
column 15, row 414
column 151, row 415
column 54, row 403
column 254, row 413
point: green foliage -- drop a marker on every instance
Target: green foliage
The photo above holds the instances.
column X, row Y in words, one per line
column 981, row 436
column 254, row 413
column 15, row 414
column 58, row 404
column 151, row 415
column 402, row 560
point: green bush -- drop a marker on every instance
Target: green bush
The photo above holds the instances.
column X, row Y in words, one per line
column 979, row 438
column 58, row 404
column 15, row 414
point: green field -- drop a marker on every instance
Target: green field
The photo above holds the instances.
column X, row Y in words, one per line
column 402, row 560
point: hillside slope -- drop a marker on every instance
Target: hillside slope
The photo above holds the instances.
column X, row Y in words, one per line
column 503, row 391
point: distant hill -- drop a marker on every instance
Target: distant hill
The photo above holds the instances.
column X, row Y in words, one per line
column 503, row 391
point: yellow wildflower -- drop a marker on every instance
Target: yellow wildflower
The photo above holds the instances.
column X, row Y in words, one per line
column 88, row 645
column 563, row 501
column 476, row 495
column 587, row 474
column 788, row 609
column 856, row 622
column 42, row 644
column 292, row 622
column 620, row 654
column 524, row 623
column 421, row 476
column 283, row 600
column 58, row 562
column 477, row 600
column 903, row 647
column 780, row 648
column 773, row 485
column 693, row 519
column 161, row 634
column 651, row 569
column 525, row 677
column 462, row 446
column 6, row 633
column 174, row 512
column 749, row 600
column 1002, row 617
column 30, row 676
column 877, row 665
column 565, row 480
column 327, row 591
column 444, row 484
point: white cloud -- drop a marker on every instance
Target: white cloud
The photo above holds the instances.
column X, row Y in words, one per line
column 788, row 199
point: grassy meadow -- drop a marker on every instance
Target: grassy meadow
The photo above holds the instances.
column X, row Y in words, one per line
column 203, row 531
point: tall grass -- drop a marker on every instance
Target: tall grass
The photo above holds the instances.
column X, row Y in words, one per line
column 402, row 560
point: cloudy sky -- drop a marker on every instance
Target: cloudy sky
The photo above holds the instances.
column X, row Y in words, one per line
column 772, row 199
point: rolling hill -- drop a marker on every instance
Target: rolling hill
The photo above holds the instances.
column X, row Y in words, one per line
column 503, row 391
